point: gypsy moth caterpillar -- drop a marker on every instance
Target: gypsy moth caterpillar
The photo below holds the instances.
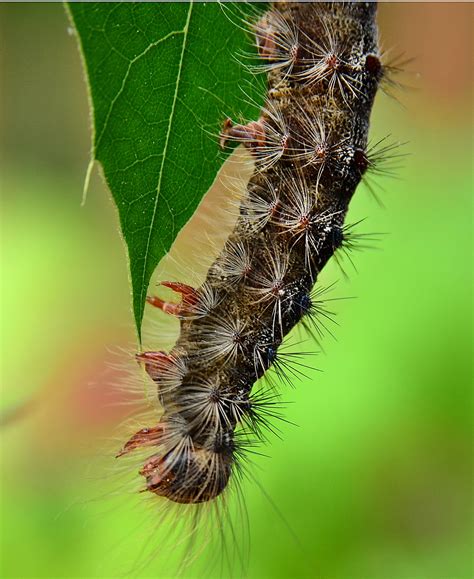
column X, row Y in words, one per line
column 310, row 152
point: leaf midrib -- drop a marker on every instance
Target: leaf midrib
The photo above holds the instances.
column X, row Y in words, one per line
column 144, row 287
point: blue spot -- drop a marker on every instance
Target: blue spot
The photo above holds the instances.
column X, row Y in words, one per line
column 271, row 353
column 305, row 303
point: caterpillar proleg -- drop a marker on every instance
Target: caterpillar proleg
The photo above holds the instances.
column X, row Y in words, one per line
column 310, row 149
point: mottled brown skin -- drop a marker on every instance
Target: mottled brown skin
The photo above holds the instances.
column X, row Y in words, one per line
column 202, row 473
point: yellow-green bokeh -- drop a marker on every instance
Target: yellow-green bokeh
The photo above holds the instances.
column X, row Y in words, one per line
column 375, row 479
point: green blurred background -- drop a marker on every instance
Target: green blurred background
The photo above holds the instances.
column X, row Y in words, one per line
column 376, row 479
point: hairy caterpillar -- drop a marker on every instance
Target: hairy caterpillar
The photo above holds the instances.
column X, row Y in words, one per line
column 310, row 151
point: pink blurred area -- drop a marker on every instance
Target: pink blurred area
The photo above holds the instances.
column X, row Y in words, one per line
column 437, row 37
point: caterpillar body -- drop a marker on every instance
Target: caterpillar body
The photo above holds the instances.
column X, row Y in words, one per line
column 310, row 150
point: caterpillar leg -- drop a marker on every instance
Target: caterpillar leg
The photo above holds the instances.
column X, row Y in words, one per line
column 251, row 135
column 189, row 298
column 144, row 437
column 156, row 363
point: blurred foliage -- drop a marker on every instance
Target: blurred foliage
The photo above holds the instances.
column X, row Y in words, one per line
column 376, row 479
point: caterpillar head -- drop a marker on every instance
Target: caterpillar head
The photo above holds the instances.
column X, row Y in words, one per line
column 190, row 475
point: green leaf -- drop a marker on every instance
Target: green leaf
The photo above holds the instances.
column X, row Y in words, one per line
column 162, row 78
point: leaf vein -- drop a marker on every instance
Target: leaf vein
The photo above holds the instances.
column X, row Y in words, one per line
column 168, row 132
column 125, row 78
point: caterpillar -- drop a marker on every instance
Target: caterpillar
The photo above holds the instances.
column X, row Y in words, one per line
column 310, row 149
